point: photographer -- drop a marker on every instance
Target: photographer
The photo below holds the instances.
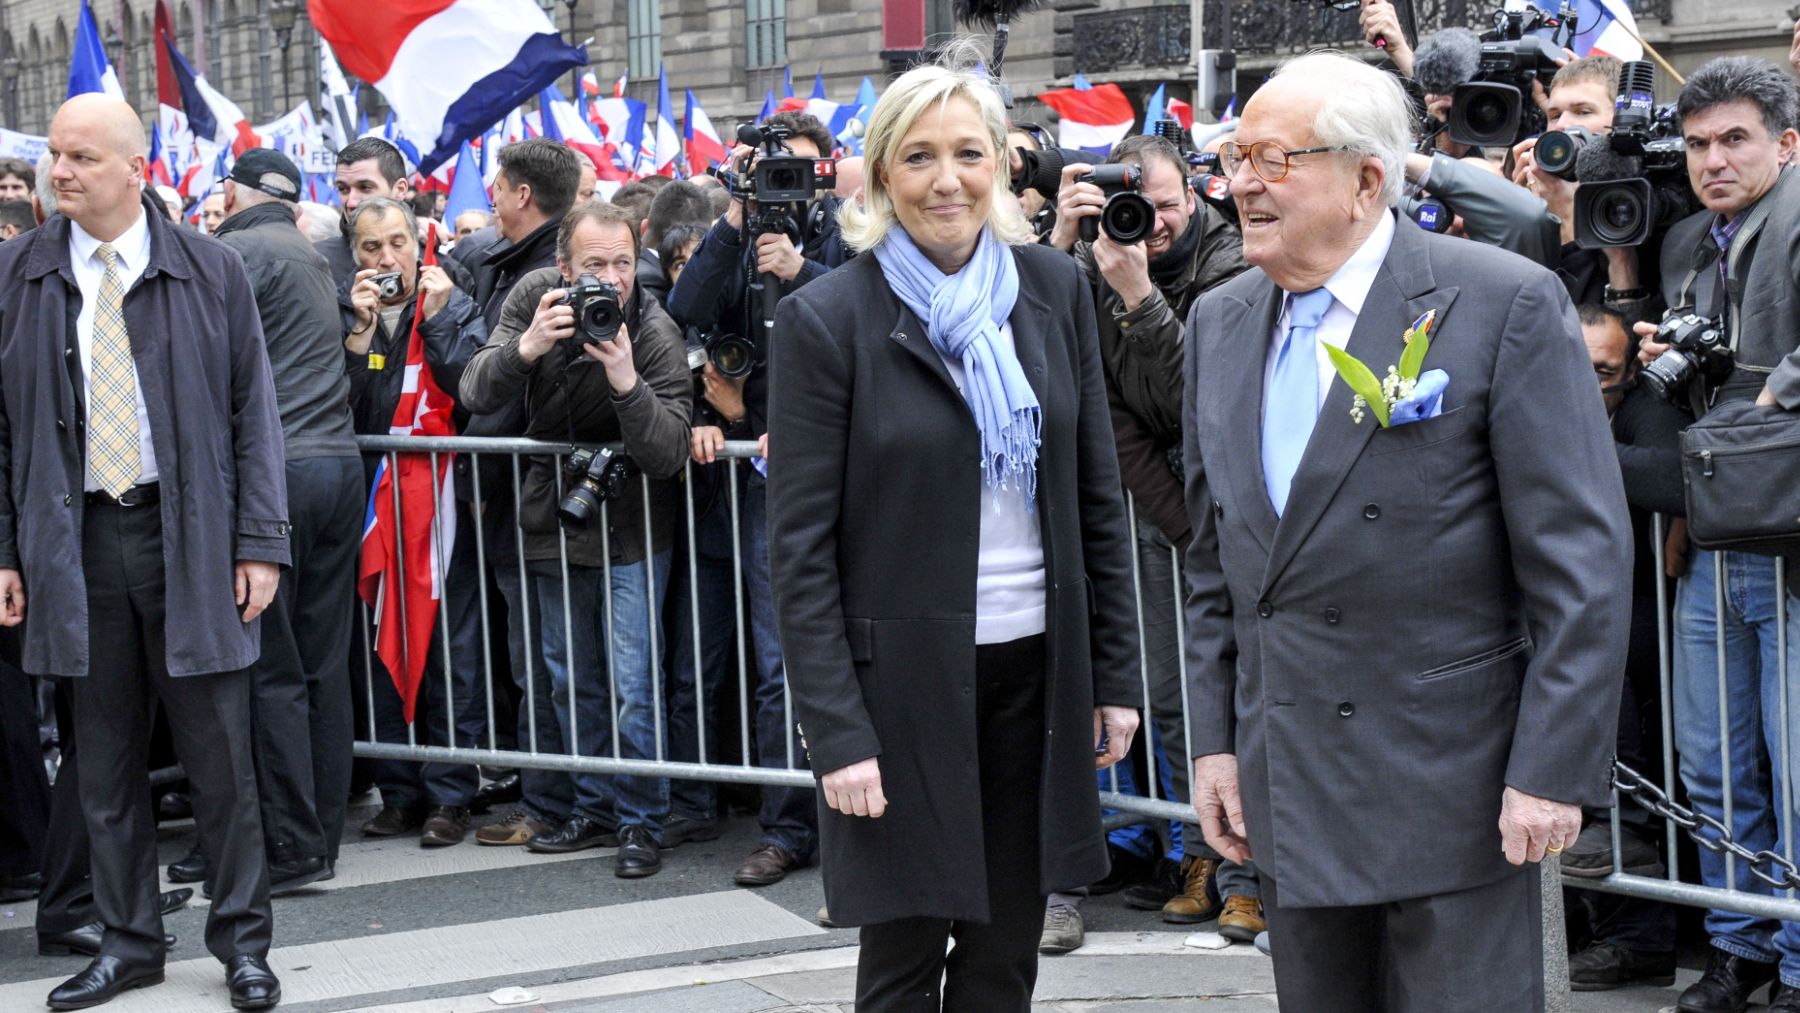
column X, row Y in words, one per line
column 378, row 305
column 597, row 366
column 1734, row 262
column 1142, row 293
column 1583, row 94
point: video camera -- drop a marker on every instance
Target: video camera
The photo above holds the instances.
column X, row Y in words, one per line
column 596, row 477
column 1495, row 108
column 1634, row 180
column 779, row 176
column 597, row 310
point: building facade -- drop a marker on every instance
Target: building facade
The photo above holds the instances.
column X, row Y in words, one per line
column 731, row 52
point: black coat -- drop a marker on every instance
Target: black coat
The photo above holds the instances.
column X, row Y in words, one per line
column 874, row 519
column 198, row 346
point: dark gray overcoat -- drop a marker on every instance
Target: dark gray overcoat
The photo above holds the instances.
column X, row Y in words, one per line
column 1443, row 608
column 874, row 517
column 198, row 344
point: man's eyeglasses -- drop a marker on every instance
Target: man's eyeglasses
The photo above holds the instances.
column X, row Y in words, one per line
column 1266, row 158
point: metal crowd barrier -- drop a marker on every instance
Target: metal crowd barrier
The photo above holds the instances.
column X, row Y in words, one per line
column 1158, row 597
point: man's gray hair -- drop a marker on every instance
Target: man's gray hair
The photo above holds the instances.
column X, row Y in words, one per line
column 1743, row 78
column 46, row 190
column 1363, row 110
column 319, row 221
column 380, row 206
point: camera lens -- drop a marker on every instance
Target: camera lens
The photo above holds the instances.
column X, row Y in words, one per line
column 1488, row 116
column 1128, row 218
column 733, row 357
column 1619, row 216
column 784, row 179
column 1669, row 373
column 579, row 508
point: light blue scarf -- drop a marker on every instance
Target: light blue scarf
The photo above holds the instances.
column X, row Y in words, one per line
column 963, row 314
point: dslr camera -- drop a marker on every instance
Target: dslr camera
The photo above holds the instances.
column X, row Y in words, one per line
column 389, row 285
column 597, row 310
column 594, row 477
column 1698, row 346
column 1495, row 107
column 731, row 355
column 1127, row 216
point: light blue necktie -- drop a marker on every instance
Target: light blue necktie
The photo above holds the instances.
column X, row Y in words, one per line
column 1291, row 405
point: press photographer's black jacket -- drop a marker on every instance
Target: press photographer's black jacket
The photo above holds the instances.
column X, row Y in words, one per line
column 568, row 398
column 451, row 337
column 711, row 293
column 1765, row 296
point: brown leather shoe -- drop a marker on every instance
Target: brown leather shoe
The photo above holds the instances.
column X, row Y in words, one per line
column 445, row 825
column 518, row 828
column 1194, row 903
column 1242, row 920
column 766, row 865
column 392, row 821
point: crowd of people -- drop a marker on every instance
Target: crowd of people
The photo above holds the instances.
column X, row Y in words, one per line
column 932, row 578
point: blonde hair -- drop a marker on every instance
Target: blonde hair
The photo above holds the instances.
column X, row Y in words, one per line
column 866, row 224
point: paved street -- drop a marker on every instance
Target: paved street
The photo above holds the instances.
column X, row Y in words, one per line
column 402, row 930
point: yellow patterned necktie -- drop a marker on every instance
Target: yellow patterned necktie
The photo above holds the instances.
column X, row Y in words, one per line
column 113, row 458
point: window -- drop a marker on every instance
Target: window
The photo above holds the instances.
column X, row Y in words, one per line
column 765, row 22
column 643, row 38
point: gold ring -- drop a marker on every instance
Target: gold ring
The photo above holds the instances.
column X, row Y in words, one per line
column 1551, row 850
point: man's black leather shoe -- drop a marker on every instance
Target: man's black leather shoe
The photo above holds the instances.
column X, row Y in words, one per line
column 1604, row 966
column 172, row 901
column 84, row 941
column 503, row 791
column 252, row 984
column 637, row 855
column 102, row 981
column 285, row 879
column 1727, row 985
column 191, row 869
column 576, row 834
column 1783, row 998
column 393, row 820
column 17, row 888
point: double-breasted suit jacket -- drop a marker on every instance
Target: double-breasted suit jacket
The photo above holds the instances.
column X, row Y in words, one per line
column 1442, row 608
column 874, row 517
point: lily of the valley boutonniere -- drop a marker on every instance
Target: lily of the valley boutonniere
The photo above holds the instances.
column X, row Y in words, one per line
column 1404, row 395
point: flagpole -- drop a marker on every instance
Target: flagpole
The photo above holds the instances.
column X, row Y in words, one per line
column 1654, row 55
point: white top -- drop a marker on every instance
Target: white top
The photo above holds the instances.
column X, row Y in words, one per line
column 1348, row 288
column 133, row 248
column 1009, row 581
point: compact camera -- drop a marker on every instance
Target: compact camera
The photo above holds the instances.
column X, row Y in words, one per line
column 595, row 477
column 1127, row 216
column 1698, row 346
column 597, row 311
column 389, row 285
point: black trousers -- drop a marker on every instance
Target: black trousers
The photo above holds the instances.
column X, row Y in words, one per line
column 300, row 697
column 209, row 719
column 992, row 968
column 67, row 901
column 1475, row 951
column 24, row 788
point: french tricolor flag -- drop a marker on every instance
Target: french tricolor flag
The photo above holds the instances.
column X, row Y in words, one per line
column 1606, row 28
column 505, row 52
column 1093, row 119
column 210, row 116
column 562, row 123
column 704, row 149
column 89, row 69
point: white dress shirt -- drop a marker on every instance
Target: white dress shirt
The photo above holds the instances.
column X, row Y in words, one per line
column 1348, row 288
column 1009, row 581
column 133, row 248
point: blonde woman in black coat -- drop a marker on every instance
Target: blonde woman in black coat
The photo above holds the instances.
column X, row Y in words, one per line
column 951, row 561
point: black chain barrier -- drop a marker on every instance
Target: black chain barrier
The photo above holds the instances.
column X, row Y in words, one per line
column 1705, row 831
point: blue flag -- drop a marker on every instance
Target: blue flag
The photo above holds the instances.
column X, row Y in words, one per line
column 466, row 190
column 818, row 84
column 89, row 69
column 787, row 82
column 1155, row 109
column 1081, row 83
column 768, row 108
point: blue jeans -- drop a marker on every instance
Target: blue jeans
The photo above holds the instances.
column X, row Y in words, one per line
column 703, row 596
column 627, row 639
column 1757, row 742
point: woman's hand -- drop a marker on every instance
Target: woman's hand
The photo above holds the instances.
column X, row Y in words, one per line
column 1115, row 726
column 856, row 790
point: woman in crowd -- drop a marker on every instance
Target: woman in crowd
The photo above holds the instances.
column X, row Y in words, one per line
column 951, row 560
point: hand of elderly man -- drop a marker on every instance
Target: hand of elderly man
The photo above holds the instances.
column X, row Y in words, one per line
column 437, row 288
column 856, row 790
column 1115, row 727
column 1531, row 827
column 12, row 598
column 1220, row 807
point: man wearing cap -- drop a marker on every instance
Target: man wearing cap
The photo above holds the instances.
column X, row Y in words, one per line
column 300, row 687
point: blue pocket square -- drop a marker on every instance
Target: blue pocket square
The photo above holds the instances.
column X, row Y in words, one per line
column 1425, row 402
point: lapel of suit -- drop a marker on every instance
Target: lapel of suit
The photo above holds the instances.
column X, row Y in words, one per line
column 1238, row 382
column 1403, row 290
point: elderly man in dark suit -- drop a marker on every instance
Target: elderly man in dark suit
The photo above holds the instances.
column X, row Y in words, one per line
column 146, row 518
column 1404, row 640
